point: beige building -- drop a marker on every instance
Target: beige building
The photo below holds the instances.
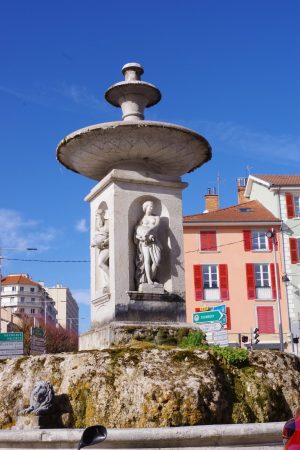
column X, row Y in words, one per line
column 67, row 307
column 23, row 297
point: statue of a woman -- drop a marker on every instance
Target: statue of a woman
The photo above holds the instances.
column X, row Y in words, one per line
column 148, row 255
column 101, row 241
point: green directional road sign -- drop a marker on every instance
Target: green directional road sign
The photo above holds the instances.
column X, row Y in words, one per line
column 39, row 332
column 11, row 336
column 209, row 316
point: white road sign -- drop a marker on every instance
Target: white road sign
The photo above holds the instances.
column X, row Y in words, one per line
column 208, row 327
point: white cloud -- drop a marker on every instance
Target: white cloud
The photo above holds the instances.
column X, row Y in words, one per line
column 79, row 95
column 82, row 296
column 81, row 226
column 49, row 96
column 17, row 232
column 237, row 139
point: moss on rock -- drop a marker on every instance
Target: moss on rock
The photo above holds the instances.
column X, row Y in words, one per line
column 146, row 385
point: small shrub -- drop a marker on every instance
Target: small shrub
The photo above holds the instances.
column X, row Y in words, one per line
column 193, row 339
column 237, row 357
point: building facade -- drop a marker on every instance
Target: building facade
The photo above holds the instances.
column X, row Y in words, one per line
column 281, row 195
column 24, row 297
column 229, row 260
column 67, row 307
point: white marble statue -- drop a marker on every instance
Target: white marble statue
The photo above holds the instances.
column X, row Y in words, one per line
column 148, row 254
column 101, row 241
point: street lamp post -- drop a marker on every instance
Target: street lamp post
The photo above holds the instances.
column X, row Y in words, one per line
column 272, row 235
column 1, row 258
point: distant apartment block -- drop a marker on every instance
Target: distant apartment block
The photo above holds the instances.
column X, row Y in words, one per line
column 24, row 297
column 67, row 307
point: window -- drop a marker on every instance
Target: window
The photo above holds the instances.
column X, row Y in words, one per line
column 244, row 210
column 262, row 275
column 22, row 299
column 259, row 240
column 211, row 282
column 22, row 310
column 32, row 310
column 13, row 288
column 210, row 277
column 256, row 240
column 21, row 288
column 265, row 319
column 33, row 299
column 32, row 289
column 261, row 281
column 292, row 205
column 295, row 250
column 208, row 241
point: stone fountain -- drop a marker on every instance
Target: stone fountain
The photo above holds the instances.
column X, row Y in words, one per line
column 137, row 260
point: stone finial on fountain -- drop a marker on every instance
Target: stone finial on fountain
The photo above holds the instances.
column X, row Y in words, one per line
column 133, row 95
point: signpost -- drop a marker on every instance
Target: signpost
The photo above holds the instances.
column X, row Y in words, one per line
column 220, row 338
column 211, row 320
column 37, row 341
column 214, row 315
column 209, row 327
column 11, row 345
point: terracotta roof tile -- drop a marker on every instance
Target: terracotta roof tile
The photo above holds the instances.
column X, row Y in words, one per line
column 280, row 180
column 251, row 211
column 17, row 279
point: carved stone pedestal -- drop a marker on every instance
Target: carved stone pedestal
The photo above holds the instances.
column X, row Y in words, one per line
column 152, row 307
column 122, row 194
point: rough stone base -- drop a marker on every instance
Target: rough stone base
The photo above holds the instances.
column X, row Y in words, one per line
column 118, row 333
column 32, row 421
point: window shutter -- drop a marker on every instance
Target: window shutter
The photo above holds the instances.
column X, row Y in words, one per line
column 270, row 242
column 290, row 205
column 294, row 250
column 247, row 240
column 250, row 281
column 198, row 282
column 203, row 240
column 228, row 316
column 212, row 239
column 208, row 240
column 223, row 277
column 273, row 280
column 265, row 319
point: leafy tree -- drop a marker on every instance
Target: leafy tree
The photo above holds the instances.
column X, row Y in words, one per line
column 58, row 340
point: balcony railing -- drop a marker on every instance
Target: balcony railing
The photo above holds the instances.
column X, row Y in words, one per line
column 264, row 293
column 212, row 294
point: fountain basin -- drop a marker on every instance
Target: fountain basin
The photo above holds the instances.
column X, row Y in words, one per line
column 158, row 147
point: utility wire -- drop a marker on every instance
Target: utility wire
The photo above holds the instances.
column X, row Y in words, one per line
column 47, row 260
column 87, row 260
column 235, row 242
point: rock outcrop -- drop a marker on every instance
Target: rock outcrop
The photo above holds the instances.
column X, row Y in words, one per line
column 148, row 386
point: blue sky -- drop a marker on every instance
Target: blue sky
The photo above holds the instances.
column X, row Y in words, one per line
column 228, row 69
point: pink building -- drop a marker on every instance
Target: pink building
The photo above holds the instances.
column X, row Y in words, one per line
column 230, row 260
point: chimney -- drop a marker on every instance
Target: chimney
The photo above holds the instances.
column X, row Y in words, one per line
column 241, row 186
column 211, row 200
